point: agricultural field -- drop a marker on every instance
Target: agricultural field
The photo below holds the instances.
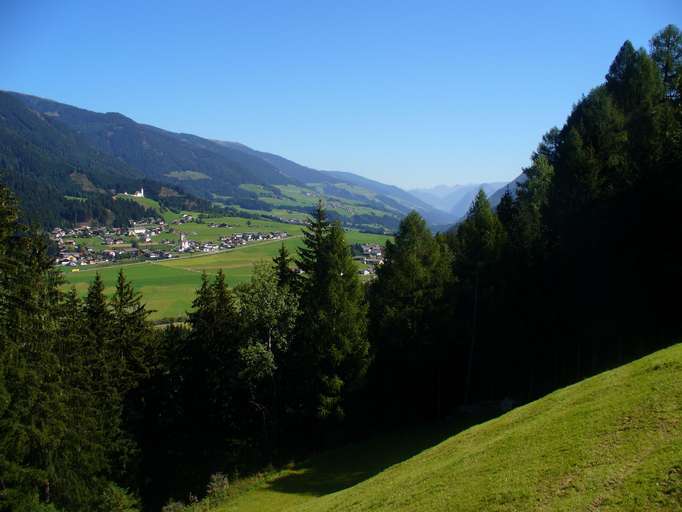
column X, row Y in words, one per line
column 283, row 213
column 188, row 175
column 168, row 286
column 166, row 290
column 298, row 196
column 203, row 232
column 289, row 199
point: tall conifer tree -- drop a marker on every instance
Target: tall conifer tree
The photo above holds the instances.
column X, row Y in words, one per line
column 332, row 345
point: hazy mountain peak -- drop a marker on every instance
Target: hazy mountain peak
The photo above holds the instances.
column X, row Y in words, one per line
column 454, row 199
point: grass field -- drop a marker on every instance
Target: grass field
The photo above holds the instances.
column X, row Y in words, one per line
column 144, row 201
column 609, row 443
column 297, row 196
column 168, row 286
column 203, row 232
column 168, row 291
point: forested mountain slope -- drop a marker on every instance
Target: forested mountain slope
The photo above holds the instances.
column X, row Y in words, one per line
column 225, row 172
column 158, row 153
column 59, row 176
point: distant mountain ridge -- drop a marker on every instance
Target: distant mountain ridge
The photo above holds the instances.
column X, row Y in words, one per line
column 156, row 153
column 228, row 173
column 58, row 175
column 512, row 186
column 455, row 199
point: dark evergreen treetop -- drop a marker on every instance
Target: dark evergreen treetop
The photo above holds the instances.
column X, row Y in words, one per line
column 314, row 237
column 282, row 265
column 480, row 236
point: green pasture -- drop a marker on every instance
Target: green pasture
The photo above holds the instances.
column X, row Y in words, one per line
column 144, row 201
column 166, row 290
column 297, row 196
column 203, row 232
column 300, row 195
column 168, row 286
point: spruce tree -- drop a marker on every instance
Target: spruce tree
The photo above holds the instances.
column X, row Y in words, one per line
column 505, row 208
column 201, row 315
column 314, row 238
column 407, row 314
column 211, row 387
column 131, row 334
column 621, row 70
column 98, row 338
column 333, row 347
column 52, row 453
column 282, row 265
column 97, row 311
column 525, row 224
column 479, row 245
column 480, row 237
column 226, row 322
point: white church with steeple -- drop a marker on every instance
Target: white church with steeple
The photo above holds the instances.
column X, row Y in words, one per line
column 138, row 193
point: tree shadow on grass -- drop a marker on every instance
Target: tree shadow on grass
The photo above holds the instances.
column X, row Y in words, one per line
column 347, row 466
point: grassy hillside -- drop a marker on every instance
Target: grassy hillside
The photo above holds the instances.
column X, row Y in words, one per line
column 147, row 202
column 611, row 442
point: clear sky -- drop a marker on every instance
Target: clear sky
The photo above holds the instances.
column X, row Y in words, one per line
column 409, row 93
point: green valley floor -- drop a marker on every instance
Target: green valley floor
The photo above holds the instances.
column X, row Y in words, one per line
column 168, row 286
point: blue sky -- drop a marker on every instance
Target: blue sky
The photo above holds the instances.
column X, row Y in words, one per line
column 409, row 93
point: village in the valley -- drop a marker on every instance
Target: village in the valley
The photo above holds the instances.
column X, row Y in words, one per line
column 155, row 239
column 369, row 255
column 151, row 238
